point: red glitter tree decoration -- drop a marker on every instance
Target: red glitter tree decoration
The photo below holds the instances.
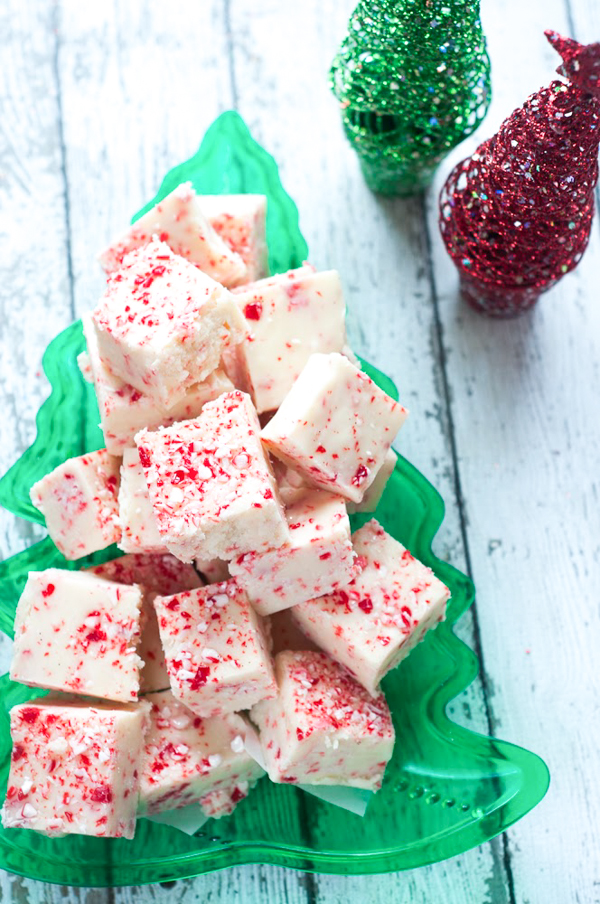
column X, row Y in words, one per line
column 516, row 216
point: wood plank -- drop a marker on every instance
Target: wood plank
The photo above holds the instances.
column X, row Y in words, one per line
column 524, row 406
column 380, row 249
column 34, row 294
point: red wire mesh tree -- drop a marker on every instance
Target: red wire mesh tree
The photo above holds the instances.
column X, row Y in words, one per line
column 516, row 216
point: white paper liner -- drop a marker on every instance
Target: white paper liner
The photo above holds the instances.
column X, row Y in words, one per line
column 187, row 819
column 356, row 800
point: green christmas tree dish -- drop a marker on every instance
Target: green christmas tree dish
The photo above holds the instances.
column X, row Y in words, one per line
column 413, row 81
column 446, row 789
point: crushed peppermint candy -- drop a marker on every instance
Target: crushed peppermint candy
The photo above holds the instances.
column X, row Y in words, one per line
column 378, row 618
column 205, row 506
column 187, row 757
column 224, row 668
column 323, row 727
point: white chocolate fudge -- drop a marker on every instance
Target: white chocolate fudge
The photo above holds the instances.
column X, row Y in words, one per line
column 154, row 574
column 162, row 324
column 323, row 728
column 290, row 316
column 374, row 492
column 216, row 649
column 210, row 483
column 335, row 426
column 188, row 759
column 214, row 571
column 139, row 532
column 179, row 221
column 240, row 220
column 124, row 410
column 79, row 502
column 374, row 622
column 317, row 558
column 77, row 633
column 74, row 769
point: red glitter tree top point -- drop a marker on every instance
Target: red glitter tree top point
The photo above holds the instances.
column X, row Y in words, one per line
column 516, row 215
column 581, row 62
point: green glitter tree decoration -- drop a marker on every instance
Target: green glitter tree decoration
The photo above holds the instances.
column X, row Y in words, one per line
column 413, row 80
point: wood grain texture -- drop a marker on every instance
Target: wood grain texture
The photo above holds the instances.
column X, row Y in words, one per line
column 525, row 415
column 97, row 105
column 34, row 291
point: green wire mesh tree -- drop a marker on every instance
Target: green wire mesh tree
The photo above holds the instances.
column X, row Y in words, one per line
column 413, row 80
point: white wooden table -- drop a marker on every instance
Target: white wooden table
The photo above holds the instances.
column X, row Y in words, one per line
column 98, row 101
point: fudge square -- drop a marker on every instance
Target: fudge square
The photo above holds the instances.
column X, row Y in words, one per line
column 317, row 558
column 335, row 426
column 241, row 220
column 323, row 728
column 374, row 622
column 74, row 769
column 211, row 485
column 290, row 316
column 216, row 649
column 79, row 502
column 154, row 574
column 162, row 324
column 187, row 758
column 77, row 633
column 124, row 409
column 139, row 532
column 179, row 221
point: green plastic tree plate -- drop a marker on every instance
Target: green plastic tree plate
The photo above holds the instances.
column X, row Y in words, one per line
column 446, row 789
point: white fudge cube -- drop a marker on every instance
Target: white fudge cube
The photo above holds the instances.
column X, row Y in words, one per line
column 210, row 483
column 317, row 558
column 240, row 220
column 162, row 324
column 215, row 648
column 179, row 221
column 77, row 633
column 79, row 502
column 154, row 574
column 290, row 316
column 139, row 532
column 74, row 769
column 374, row 492
column 323, row 728
column 214, row 571
column 374, row 622
column 124, row 410
column 188, row 759
column 335, row 426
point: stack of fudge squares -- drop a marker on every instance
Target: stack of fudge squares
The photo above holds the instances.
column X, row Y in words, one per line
column 240, row 432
